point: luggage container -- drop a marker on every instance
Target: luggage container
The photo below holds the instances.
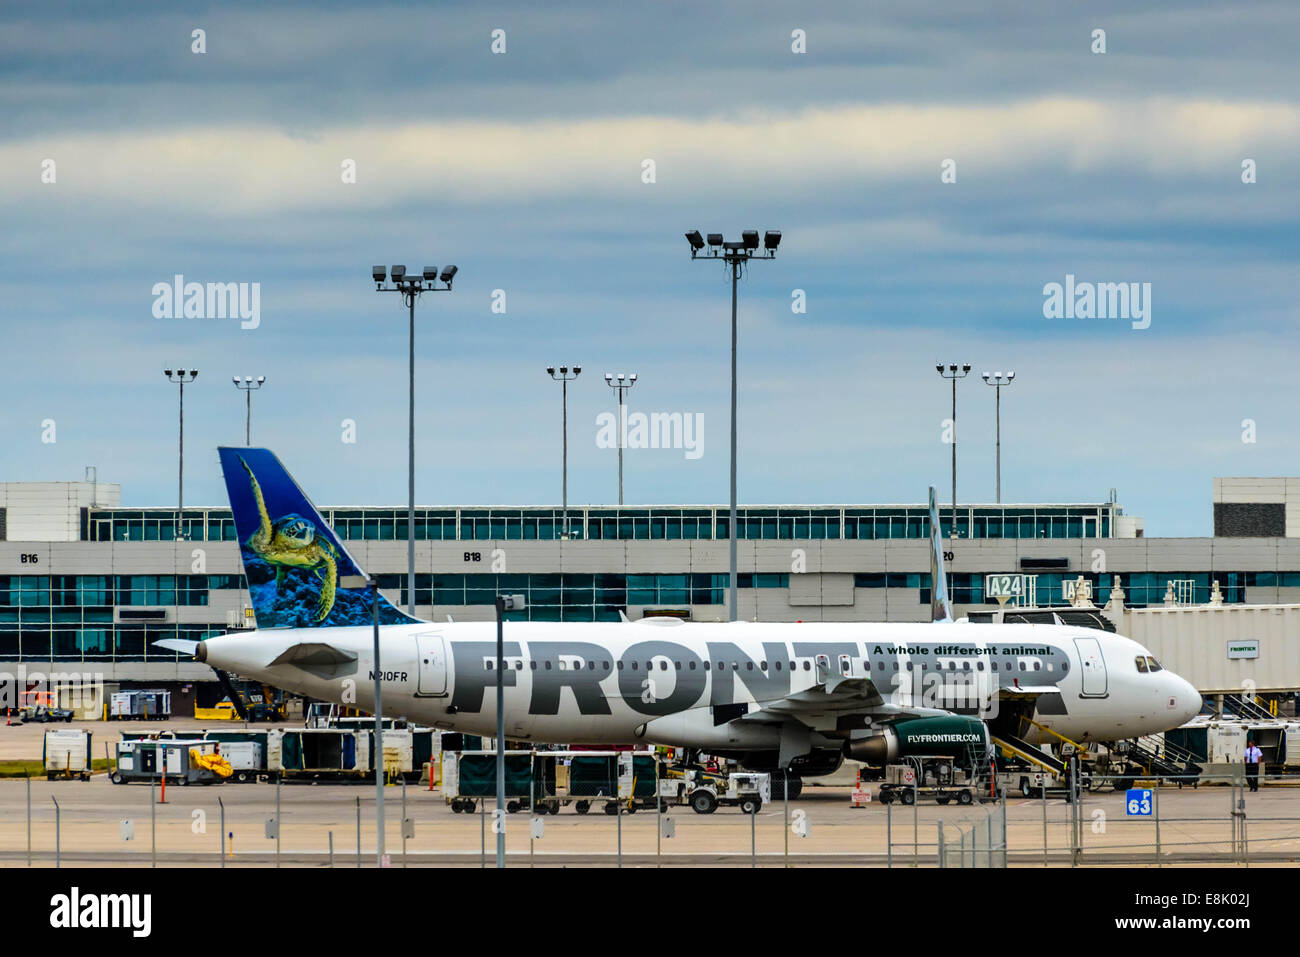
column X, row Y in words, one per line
column 151, row 760
column 426, row 750
column 471, row 776
column 66, row 754
column 588, row 778
column 140, row 705
column 399, row 753
column 246, row 758
column 246, row 751
column 319, row 754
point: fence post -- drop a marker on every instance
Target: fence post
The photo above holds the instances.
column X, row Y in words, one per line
column 358, row 833
column 58, row 833
column 916, row 828
column 403, row 820
column 753, row 841
column 659, row 810
column 279, row 826
column 331, row 833
column 785, row 791
column 940, row 845
column 889, row 835
column 1042, row 794
column 221, row 834
column 1155, row 801
column 153, row 825
column 29, row 818
column 1006, row 841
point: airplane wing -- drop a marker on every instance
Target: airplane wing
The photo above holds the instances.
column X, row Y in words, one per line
column 833, row 696
column 1026, row 692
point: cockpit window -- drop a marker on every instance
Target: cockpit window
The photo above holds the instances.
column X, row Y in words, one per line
column 1155, row 665
column 1142, row 664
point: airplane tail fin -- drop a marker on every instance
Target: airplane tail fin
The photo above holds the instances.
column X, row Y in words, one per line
column 294, row 562
column 940, row 606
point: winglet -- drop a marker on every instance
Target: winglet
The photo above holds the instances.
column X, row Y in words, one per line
column 940, row 606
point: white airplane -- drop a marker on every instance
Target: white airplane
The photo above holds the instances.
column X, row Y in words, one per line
column 778, row 696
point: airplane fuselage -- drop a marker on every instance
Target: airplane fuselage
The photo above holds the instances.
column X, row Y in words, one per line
column 708, row 685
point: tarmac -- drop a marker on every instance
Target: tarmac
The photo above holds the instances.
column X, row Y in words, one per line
column 1195, row 826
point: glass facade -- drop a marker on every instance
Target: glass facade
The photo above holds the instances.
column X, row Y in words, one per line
column 635, row 524
column 69, row 618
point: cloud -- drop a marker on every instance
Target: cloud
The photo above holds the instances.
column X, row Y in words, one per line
column 258, row 170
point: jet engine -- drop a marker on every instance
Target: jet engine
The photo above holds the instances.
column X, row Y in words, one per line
column 953, row 736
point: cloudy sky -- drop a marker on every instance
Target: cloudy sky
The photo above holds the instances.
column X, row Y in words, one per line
column 526, row 168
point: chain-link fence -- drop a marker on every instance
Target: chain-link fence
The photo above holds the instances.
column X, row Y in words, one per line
column 1220, row 820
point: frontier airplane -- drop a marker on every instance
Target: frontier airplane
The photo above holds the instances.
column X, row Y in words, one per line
column 793, row 697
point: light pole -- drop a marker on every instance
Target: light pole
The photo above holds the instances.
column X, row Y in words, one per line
column 564, row 377
column 181, row 377
column 735, row 255
column 248, row 385
column 954, row 372
column 504, row 604
column 620, row 386
column 411, row 287
column 998, row 380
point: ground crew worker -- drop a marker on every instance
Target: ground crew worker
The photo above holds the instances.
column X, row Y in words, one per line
column 1253, row 758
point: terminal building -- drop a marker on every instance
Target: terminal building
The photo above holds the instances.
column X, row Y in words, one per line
column 87, row 586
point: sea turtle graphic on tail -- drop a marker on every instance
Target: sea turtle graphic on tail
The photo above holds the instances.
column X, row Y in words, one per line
column 291, row 542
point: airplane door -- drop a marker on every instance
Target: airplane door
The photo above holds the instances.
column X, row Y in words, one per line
column 1094, row 667
column 431, row 665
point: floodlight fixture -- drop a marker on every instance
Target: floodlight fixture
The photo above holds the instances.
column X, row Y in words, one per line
column 736, row 255
column 411, row 288
column 954, row 371
column 564, row 378
column 620, row 384
column 998, row 380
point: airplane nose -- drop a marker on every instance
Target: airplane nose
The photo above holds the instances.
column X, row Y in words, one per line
column 1189, row 700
